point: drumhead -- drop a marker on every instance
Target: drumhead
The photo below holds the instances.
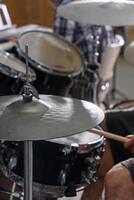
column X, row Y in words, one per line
column 84, row 138
column 50, row 52
column 13, row 67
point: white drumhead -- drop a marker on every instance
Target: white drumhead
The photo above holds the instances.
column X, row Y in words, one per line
column 12, row 62
column 51, row 51
column 13, row 67
column 86, row 137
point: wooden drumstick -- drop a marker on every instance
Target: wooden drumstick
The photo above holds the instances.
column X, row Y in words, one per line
column 109, row 135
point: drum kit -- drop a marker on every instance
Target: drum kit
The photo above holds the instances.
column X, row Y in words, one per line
column 45, row 146
column 32, row 117
column 99, row 12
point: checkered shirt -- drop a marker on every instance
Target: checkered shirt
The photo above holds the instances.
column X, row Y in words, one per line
column 81, row 35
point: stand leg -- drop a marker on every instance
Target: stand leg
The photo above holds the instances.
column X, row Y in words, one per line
column 28, row 170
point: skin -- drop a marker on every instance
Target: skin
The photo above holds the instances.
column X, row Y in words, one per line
column 118, row 182
column 129, row 144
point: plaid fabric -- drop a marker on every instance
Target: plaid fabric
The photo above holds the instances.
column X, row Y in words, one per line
column 81, row 34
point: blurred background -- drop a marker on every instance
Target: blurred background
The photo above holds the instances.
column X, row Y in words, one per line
column 30, row 12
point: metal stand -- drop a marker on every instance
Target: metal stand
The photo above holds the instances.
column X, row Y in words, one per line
column 28, row 145
column 94, row 63
column 88, row 83
column 28, row 170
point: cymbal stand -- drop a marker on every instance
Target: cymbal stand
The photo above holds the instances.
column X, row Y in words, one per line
column 89, row 79
column 93, row 65
column 28, row 170
column 29, row 91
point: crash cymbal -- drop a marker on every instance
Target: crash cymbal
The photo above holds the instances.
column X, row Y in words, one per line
column 99, row 12
column 46, row 118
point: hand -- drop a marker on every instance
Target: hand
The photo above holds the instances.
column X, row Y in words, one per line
column 129, row 144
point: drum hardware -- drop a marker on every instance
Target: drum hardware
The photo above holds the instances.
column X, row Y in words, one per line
column 90, row 174
column 12, row 74
column 29, row 113
column 56, row 61
column 103, row 89
column 19, row 195
column 28, row 146
column 52, row 166
column 70, row 152
column 94, row 63
column 108, row 12
column 73, row 149
column 85, row 87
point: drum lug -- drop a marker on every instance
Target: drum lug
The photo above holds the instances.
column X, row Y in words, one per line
column 12, row 162
column 73, row 149
column 62, row 177
column 89, row 175
column 66, row 150
column 100, row 152
column 98, row 158
column 70, row 153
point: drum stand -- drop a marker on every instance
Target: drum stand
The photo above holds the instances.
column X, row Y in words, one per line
column 93, row 65
column 29, row 92
column 28, row 170
column 90, row 78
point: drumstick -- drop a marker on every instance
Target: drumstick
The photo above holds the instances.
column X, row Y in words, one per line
column 109, row 135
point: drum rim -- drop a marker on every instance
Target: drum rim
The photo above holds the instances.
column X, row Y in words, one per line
column 47, row 68
column 83, row 148
column 13, row 73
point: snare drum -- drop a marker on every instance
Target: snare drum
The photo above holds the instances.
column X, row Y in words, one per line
column 56, row 61
column 12, row 74
column 60, row 166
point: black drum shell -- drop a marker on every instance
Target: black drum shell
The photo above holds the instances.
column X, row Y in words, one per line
column 51, row 79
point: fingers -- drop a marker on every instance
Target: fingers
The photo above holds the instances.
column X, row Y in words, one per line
column 129, row 144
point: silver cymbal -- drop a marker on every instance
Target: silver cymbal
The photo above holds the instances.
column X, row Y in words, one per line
column 46, row 118
column 99, row 12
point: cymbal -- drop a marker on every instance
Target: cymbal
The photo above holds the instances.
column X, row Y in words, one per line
column 129, row 54
column 99, row 12
column 46, row 118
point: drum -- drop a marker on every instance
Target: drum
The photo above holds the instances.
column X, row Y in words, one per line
column 61, row 166
column 12, row 74
column 56, row 61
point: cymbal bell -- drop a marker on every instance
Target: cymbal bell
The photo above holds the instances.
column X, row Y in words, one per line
column 45, row 118
column 99, row 12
